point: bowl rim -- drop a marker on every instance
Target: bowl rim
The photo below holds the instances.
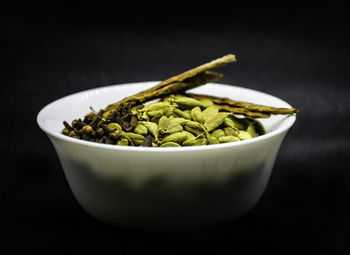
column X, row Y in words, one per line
column 287, row 124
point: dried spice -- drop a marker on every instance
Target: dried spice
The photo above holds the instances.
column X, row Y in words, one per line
column 249, row 109
column 190, row 79
column 178, row 118
column 210, row 126
column 147, row 142
column 170, row 144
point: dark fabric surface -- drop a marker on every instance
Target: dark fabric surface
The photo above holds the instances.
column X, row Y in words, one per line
column 301, row 56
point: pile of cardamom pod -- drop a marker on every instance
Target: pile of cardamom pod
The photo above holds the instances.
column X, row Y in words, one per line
column 179, row 118
column 175, row 121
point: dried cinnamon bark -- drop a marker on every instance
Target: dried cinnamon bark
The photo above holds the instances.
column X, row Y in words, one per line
column 251, row 109
column 195, row 71
column 179, row 83
column 172, row 88
column 239, row 110
column 193, row 78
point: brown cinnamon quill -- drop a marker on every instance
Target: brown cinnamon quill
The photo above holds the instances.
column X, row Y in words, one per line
column 193, row 78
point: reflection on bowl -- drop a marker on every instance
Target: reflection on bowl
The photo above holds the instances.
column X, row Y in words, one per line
column 169, row 187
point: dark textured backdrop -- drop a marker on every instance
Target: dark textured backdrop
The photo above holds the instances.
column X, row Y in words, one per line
column 300, row 55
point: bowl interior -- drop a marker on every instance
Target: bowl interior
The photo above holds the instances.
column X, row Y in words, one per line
column 78, row 105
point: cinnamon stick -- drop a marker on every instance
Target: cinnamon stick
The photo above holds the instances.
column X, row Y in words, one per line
column 233, row 104
column 193, row 78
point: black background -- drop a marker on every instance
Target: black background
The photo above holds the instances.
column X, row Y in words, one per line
column 297, row 53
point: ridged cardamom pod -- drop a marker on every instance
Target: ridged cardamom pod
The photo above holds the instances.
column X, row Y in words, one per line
column 229, row 131
column 217, row 133
column 152, row 128
column 228, row 139
column 178, row 137
column 141, row 130
column 188, row 102
column 216, row 120
column 196, row 114
column 170, row 144
column 209, row 112
column 244, row 135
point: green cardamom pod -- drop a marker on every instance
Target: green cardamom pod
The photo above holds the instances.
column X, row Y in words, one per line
column 195, row 142
column 216, row 120
column 114, row 126
column 193, row 131
column 196, row 114
column 239, row 122
column 131, row 135
column 206, row 103
column 217, row 133
column 137, row 142
column 211, row 139
column 168, row 111
column 189, row 142
column 189, row 134
column 244, row 135
column 229, row 131
column 135, row 109
column 163, row 123
column 194, row 127
column 228, row 122
column 228, row 139
column 170, row 144
column 156, row 113
column 157, row 106
column 187, row 102
column 180, row 121
column 173, row 128
column 169, row 126
column 251, row 129
column 209, row 112
column 123, row 142
column 152, row 128
column 178, row 137
column 183, row 114
column 141, row 130
column 144, row 116
column 133, row 138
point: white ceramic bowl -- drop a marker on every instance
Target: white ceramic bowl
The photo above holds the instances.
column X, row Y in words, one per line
column 164, row 188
